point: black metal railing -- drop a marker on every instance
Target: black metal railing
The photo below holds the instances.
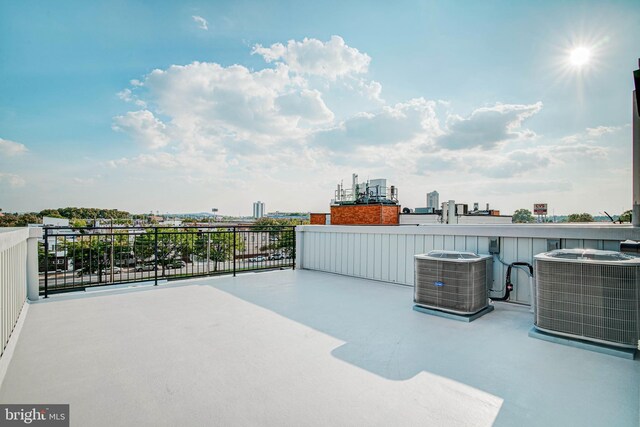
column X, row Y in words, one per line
column 74, row 258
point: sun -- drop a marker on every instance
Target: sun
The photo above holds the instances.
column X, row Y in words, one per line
column 580, row 56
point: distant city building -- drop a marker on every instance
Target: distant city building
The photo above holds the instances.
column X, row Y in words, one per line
column 433, row 200
column 49, row 221
column 258, row 209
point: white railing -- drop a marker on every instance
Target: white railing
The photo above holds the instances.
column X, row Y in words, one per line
column 18, row 266
column 386, row 252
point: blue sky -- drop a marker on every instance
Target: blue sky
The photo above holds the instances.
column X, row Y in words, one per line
column 185, row 106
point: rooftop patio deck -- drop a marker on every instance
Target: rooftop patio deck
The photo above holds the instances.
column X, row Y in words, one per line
column 304, row 348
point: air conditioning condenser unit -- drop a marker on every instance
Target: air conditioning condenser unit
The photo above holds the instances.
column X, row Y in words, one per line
column 588, row 294
column 452, row 281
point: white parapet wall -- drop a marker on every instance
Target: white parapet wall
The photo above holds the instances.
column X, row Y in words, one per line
column 386, row 252
column 427, row 219
column 18, row 271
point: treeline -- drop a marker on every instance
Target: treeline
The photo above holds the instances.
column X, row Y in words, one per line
column 525, row 215
column 85, row 213
column 23, row 219
column 19, row 220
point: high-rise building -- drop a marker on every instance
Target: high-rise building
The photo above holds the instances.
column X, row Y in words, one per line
column 258, row 209
column 433, row 200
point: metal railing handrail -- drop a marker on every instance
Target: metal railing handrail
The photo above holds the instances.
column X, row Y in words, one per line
column 69, row 257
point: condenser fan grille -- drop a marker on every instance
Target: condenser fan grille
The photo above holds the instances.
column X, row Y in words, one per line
column 452, row 286
column 588, row 300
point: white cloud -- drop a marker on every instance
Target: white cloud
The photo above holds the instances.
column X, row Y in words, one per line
column 482, row 163
column 127, row 96
column 578, row 151
column 310, row 115
column 160, row 160
column 144, row 127
column 391, row 125
column 571, row 139
column 202, row 23
column 438, row 163
column 11, row 148
column 371, row 89
column 539, row 186
column 210, row 105
column 331, row 59
column 591, row 134
column 487, row 127
column 241, row 112
column 602, row 130
column 306, row 104
column 516, row 163
column 87, row 182
column 194, row 161
column 12, row 180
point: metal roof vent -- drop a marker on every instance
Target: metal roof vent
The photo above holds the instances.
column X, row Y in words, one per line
column 588, row 294
column 451, row 281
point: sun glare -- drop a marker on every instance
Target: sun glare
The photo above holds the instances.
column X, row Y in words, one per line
column 579, row 56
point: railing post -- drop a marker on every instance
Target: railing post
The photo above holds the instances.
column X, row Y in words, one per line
column 33, row 281
column 155, row 255
column 209, row 251
column 234, row 252
column 299, row 245
column 295, row 250
column 46, row 262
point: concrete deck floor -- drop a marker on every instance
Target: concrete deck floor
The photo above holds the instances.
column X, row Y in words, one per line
column 297, row 348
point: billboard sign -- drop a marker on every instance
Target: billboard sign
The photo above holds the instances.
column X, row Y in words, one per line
column 540, row 209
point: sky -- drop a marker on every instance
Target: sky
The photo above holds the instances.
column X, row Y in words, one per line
column 187, row 106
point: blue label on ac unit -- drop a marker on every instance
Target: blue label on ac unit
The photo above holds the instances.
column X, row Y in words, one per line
column 438, row 284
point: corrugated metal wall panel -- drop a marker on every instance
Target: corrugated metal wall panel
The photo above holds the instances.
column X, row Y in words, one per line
column 377, row 257
column 408, row 269
column 521, row 279
column 403, row 253
column 387, row 254
column 351, row 253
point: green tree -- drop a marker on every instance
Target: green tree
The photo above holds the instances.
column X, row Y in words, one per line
column 281, row 234
column 217, row 246
column 626, row 216
column 78, row 223
column 50, row 213
column 522, row 216
column 19, row 220
column 581, row 217
column 282, row 241
column 268, row 224
column 41, row 258
column 173, row 244
column 85, row 213
column 190, row 220
column 93, row 253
